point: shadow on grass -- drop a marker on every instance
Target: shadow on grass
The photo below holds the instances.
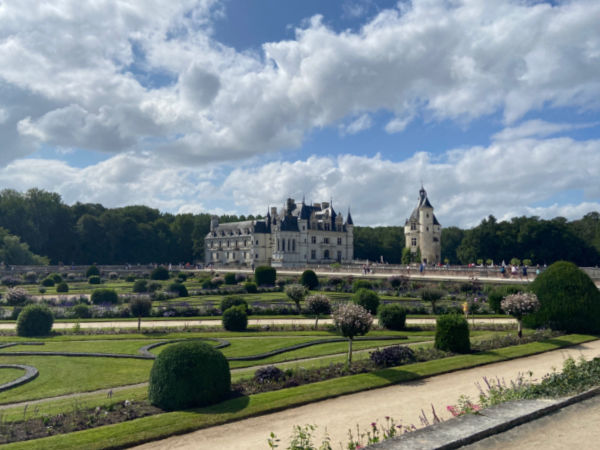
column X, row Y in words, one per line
column 235, row 404
column 396, row 375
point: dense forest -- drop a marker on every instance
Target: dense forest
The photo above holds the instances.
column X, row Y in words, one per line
column 39, row 223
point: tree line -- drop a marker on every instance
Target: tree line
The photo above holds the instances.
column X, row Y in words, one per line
column 38, row 222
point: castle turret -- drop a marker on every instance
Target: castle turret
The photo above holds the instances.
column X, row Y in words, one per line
column 423, row 231
column 214, row 223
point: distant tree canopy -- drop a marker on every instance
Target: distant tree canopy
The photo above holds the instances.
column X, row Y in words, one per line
column 39, row 223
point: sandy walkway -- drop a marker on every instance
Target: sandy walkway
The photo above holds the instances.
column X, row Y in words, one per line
column 403, row 402
column 217, row 323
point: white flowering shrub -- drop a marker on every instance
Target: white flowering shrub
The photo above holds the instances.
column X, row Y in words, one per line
column 352, row 320
column 318, row 304
column 17, row 296
column 518, row 305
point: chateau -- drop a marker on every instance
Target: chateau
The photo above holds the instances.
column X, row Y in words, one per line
column 423, row 232
column 297, row 235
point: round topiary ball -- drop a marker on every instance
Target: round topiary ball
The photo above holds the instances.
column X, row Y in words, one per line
column 392, row 317
column 187, row 375
column 367, row 299
column 35, row 320
column 309, row 279
column 101, row 296
column 62, row 287
column 569, row 300
column 452, row 334
column 235, row 318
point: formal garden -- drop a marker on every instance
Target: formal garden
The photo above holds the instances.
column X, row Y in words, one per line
column 79, row 387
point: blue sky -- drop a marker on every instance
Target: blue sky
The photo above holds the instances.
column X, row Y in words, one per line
column 230, row 106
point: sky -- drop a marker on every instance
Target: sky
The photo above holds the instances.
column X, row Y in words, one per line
column 232, row 106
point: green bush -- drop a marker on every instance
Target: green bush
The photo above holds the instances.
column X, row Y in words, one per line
column 367, row 299
column 160, row 273
column 361, row 284
column 230, row 278
column 452, row 334
column 232, row 300
column 48, row 282
column 130, row 278
column 569, row 300
column 101, row 296
column 189, row 374
column 35, row 320
column 250, row 287
column 182, row 276
column 30, row 277
column 140, row 286
column 81, row 311
column 92, row 270
column 392, row 317
column 94, row 279
column 309, row 279
column 62, row 287
column 56, row 277
column 179, row 289
column 235, row 318
column 265, row 275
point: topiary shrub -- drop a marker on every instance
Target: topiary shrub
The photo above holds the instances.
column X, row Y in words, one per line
column 56, row 277
column 367, row 299
column 130, row 278
column 230, row 278
column 102, row 296
column 361, row 284
column 235, row 318
column 189, row 374
column 392, row 317
column 251, row 287
column 392, row 356
column 232, row 300
column 140, row 307
column 113, row 276
column 16, row 297
column 160, row 273
column 452, row 334
column 309, row 279
column 48, row 282
column 140, row 286
column 352, row 320
column 94, row 279
column 62, row 287
column 569, row 300
column 91, row 271
column 431, row 296
column 265, row 275
column 179, row 289
column 296, row 293
column 81, row 311
column 30, row 277
column 35, row 320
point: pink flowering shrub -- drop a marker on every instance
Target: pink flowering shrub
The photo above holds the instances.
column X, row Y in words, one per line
column 352, row 320
column 518, row 305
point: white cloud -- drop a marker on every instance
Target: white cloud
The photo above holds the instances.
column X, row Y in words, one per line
column 361, row 123
column 538, row 128
column 506, row 179
column 84, row 68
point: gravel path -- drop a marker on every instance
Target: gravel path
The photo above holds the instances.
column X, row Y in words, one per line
column 217, row 323
column 403, row 402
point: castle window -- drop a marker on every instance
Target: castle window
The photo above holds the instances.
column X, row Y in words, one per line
column 313, row 254
column 339, row 258
column 326, row 254
column 427, row 228
column 339, row 241
column 294, row 245
column 313, row 239
column 257, row 242
column 326, row 240
column 277, row 244
column 413, row 226
column 427, row 215
column 413, row 242
column 435, row 239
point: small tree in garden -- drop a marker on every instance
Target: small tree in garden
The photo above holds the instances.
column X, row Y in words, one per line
column 432, row 296
column 35, row 320
column 92, row 270
column 367, row 299
column 318, row 304
column 518, row 305
column 352, row 320
column 296, row 293
column 160, row 273
column 16, row 296
column 140, row 307
column 265, row 275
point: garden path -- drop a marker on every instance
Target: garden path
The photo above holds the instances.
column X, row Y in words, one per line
column 217, row 323
column 404, row 402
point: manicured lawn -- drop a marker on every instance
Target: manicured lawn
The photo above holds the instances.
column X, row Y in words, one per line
column 162, row 425
column 8, row 374
column 61, row 375
column 87, row 346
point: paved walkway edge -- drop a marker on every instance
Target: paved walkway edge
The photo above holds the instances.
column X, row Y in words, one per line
column 470, row 428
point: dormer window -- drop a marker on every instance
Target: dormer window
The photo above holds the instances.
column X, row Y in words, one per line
column 413, row 226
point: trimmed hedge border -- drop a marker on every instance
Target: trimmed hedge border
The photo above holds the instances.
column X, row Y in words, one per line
column 30, row 374
column 145, row 350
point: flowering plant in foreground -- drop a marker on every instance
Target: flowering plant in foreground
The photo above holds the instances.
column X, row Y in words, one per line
column 464, row 406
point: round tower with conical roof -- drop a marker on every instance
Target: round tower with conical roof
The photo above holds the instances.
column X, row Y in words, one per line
column 423, row 232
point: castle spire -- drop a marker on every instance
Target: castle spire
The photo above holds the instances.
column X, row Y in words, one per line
column 349, row 218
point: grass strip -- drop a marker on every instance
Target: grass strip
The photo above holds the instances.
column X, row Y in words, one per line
column 168, row 424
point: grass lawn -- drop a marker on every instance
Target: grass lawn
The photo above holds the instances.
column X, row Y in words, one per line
column 8, row 374
column 61, row 375
column 167, row 424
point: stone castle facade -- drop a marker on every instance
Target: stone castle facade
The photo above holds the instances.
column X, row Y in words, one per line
column 297, row 235
column 423, row 232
